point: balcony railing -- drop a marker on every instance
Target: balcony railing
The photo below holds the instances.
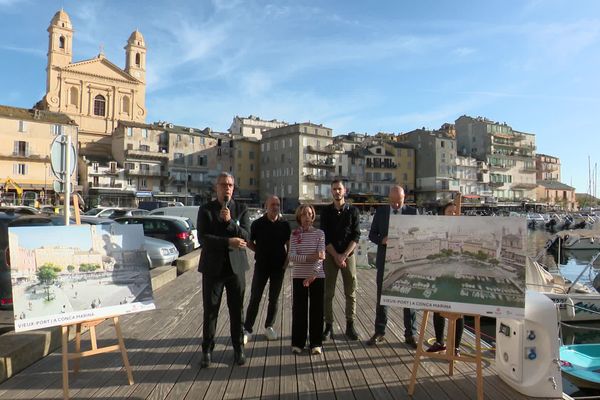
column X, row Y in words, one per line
column 146, row 154
column 499, row 167
column 320, row 150
column 320, row 164
column 496, row 184
column 319, row 178
column 137, row 172
column 527, row 170
column 25, row 156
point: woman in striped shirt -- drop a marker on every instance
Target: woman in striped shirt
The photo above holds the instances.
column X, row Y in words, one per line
column 307, row 252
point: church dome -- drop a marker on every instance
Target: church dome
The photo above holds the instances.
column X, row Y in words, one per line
column 136, row 38
column 61, row 19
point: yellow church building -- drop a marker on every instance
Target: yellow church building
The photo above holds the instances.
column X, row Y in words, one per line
column 95, row 93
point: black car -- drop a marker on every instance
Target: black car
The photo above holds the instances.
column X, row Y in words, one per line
column 10, row 220
column 164, row 228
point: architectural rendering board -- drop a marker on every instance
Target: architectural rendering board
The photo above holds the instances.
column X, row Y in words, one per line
column 467, row 265
column 67, row 274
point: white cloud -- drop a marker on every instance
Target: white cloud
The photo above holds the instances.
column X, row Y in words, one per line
column 26, row 50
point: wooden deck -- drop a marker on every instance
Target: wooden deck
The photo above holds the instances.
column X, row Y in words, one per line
column 164, row 351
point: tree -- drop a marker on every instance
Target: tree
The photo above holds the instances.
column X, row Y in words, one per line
column 70, row 268
column 46, row 275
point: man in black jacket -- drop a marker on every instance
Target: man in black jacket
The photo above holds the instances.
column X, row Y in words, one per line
column 378, row 235
column 223, row 229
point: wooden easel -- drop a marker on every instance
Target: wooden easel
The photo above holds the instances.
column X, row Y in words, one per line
column 91, row 325
column 451, row 209
column 78, row 354
column 450, row 356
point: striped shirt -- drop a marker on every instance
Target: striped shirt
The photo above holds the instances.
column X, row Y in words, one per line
column 303, row 243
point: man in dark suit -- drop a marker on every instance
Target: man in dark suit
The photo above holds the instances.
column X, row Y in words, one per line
column 223, row 229
column 378, row 235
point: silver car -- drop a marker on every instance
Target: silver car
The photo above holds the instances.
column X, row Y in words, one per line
column 159, row 251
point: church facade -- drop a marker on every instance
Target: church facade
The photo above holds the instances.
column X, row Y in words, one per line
column 95, row 93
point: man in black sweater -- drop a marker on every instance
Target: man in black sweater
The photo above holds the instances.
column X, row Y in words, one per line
column 269, row 238
column 340, row 222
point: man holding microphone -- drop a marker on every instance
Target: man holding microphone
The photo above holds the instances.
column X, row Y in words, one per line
column 223, row 229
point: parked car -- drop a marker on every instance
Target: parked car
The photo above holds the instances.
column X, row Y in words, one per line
column 160, row 251
column 20, row 210
column 166, row 228
column 125, row 212
column 189, row 213
column 10, row 220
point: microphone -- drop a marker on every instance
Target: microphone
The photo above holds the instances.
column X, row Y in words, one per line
column 225, row 202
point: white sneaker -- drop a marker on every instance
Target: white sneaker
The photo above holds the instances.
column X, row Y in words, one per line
column 247, row 336
column 296, row 350
column 270, row 333
column 316, row 350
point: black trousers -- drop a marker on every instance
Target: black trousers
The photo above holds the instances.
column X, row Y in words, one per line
column 439, row 323
column 262, row 275
column 212, row 292
column 307, row 312
column 410, row 316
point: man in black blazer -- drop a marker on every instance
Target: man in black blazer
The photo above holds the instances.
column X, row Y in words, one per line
column 223, row 228
column 378, row 235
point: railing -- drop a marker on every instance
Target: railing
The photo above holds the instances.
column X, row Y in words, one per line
column 137, row 172
column 146, row 153
column 323, row 150
column 320, row 164
column 319, row 178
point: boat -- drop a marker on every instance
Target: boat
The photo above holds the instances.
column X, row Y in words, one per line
column 575, row 301
column 582, row 239
column 580, row 364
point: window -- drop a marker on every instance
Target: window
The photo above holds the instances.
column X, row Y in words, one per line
column 22, row 126
column 129, row 166
column 251, row 155
column 129, row 131
column 138, row 60
column 143, row 183
column 251, row 167
column 125, row 105
column 21, row 148
column 61, row 42
column 57, row 129
column 441, row 143
column 145, row 168
column 251, row 181
column 95, row 166
column 144, row 147
column 74, row 96
column 178, row 158
column 178, row 138
column 145, row 133
column 20, row 169
column 289, row 189
column 99, row 105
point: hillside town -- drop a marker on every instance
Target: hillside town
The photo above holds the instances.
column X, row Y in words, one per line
column 123, row 160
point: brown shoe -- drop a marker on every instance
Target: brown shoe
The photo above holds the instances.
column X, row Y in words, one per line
column 376, row 339
column 410, row 342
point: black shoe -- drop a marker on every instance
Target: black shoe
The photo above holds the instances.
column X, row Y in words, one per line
column 328, row 332
column 350, row 331
column 376, row 339
column 436, row 348
column 410, row 341
column 205, row 361
column 239, row 357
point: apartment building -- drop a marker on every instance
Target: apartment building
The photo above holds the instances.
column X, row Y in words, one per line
column 27, row 135
column 556, row 195
column 435, row 166
column 298, row 163
column 252, row 126
column 246, row 168
column 405, row 161
column 509, row 154
column 547, row 167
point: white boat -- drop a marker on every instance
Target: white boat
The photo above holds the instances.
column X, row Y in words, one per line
column 575, row 301
column 581, row 239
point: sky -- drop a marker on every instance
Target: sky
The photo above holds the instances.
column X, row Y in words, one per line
column 351, row 65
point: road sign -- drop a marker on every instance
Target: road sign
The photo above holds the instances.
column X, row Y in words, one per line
column 59, row 187
column 58, row 156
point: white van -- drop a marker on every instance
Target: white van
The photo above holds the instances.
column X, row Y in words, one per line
column 190, row 212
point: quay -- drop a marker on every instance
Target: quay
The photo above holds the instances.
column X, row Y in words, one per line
column 164, row 351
